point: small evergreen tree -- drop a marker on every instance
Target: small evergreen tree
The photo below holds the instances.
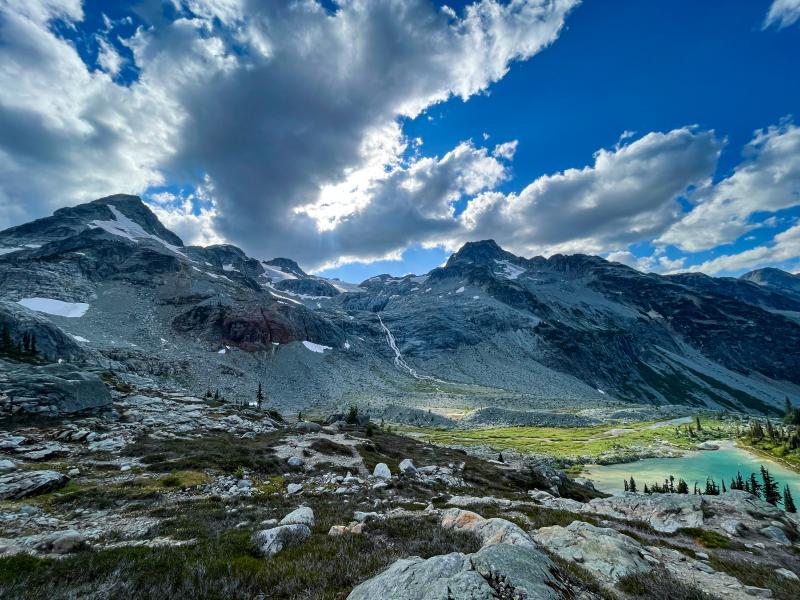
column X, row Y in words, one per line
column 771, row 493
column 646, row 490
column 352, row 415
column 632, row 485
column 755, row 487
column 625, row 483
column 788, row 501
column 723, row 487
column 259, row 395
column 697, row 420
column 5, row 340
column 683, row 487
column 500, row 458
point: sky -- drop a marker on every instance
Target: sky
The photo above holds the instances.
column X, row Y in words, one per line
column 361, row 137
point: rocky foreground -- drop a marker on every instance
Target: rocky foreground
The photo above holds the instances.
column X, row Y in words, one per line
column 170, row 496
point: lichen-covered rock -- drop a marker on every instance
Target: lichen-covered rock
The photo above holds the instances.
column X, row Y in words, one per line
column 22, row 484
column 303, row 516
column 53, row 389
column 272, row 541
column 489, row 531
column 604, row 552
column 499, row 571
column 663, row 512
column 382, row 471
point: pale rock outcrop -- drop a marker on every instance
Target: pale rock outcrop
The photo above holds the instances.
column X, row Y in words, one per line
column 382, row 471
column 272, row 541
column 489, row 531
column 663, row 512
column 300, row 516
column 21, row 484
column 494, row 571
column 604, row 552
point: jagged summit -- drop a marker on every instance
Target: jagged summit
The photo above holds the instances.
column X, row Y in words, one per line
column 287, row 265
column 484, row 252
column 121, row 214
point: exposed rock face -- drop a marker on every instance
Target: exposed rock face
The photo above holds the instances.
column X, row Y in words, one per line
column 610, row 555
column 54, row 389
column 605, row 552
column 51, row 341
column 494, row 571
column 663, row 512
column 490, row 531
column 22, row 484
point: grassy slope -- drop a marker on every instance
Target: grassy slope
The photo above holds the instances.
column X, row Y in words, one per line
column 579, row 443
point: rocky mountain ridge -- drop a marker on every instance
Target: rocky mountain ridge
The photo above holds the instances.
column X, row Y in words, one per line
column 106, row 285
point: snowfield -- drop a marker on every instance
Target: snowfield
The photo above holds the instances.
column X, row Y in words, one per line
column 55, row 307
column 316, row 347
column 127, row 228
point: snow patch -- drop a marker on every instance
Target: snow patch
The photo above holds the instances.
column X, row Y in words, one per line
column 127, row 228
column 460, row 290
column 347, row 345
column 316, row 347
column 511, row 271
column 55, row 307
column 276, row 274
column 229, row 267
column 79, row 338
column 9, row 250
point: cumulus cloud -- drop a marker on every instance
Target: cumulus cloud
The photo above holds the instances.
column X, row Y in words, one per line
column 782, row 13
column 767, row 180
column 627, row 195
column 292, row 110
column 783, row 250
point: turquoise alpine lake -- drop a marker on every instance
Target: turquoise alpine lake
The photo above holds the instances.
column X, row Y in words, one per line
column 694, row 467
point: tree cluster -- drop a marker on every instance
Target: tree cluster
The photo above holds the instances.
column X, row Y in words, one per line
column 764, row 487
column 20, row 348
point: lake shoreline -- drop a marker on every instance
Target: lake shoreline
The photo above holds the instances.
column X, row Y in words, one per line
column 694, row 466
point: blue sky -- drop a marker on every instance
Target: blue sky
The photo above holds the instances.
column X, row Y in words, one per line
column 661, row 134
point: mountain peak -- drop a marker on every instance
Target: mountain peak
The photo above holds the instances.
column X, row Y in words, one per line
column 110, row 210
column 483, row 252
column 287, row 265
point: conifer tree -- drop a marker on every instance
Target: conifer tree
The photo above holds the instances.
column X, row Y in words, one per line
column 625, row 482
column 632, row 485
column 6, row 345
column 771, row 493
column 683, row 487
column 788, row 501
column 646, row 490
column 723, row 487
column 259, row 395
column 755, row 487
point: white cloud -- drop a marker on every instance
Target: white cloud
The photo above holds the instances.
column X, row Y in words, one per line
column 506, row 150
column 767, row 180
column 784, row 248
column 629, row 194
column 292, row 110
column 782, row 13
column 108, row 58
